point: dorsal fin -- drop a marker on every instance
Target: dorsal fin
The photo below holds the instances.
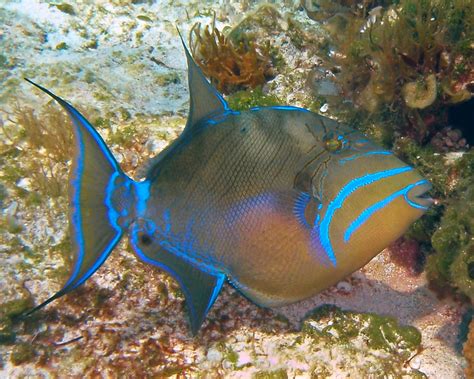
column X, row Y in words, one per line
column 204, row 98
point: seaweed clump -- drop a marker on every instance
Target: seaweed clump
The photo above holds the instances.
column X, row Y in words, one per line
column 376, row 333
column 413, row 59
column 49, row 136
column 244, row 100
column 452, row 264
column 231, row 64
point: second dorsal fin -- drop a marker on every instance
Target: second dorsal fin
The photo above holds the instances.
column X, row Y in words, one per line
column 204, row 98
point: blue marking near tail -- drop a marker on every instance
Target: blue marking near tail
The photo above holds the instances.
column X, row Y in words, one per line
column 142, row 194
column 215, row 292
column 282, row 108
column 367, row 213
column 356, row 156
column 343, row 194
column 112, row 212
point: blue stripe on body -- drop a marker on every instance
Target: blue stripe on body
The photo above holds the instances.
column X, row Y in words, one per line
column 367, row 213
column 343, row 194
column 112, row 212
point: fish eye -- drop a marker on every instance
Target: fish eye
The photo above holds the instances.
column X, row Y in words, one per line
column 335, row 142
column 145, row 239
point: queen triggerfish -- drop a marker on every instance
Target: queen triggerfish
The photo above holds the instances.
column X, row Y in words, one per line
column 279, row 201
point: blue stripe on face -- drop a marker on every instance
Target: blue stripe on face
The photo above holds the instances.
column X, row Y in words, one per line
column 356, row 156
column 343, row 194
column 367, row 213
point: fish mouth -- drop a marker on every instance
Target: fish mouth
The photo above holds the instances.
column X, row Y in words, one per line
column 417, row 195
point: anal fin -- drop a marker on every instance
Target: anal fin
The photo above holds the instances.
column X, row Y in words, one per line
column 200, row 288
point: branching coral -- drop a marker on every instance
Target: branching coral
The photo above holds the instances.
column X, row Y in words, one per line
column 230, row 65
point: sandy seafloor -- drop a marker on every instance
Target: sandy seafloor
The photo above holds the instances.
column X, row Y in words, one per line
column 130, row 317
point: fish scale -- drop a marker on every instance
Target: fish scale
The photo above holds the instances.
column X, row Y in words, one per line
column 280, row 201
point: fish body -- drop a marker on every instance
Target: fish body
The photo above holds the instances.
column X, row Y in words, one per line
column 280, row 201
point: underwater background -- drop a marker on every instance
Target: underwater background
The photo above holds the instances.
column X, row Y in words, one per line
column 400, row 71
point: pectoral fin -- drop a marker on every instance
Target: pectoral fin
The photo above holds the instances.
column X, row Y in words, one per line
column 200, row 288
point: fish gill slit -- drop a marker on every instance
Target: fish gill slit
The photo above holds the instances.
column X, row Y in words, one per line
column 324, row 126
column 322, row 166
column 307, row 164
column 312, row 132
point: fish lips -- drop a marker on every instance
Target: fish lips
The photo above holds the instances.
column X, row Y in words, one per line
column 417, row 196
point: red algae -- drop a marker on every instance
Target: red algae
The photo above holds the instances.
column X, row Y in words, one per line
column 230, row 65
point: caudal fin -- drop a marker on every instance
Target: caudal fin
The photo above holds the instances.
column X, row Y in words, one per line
column 92, row 218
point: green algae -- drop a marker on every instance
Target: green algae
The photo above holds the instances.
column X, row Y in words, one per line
column 102, row 123
column 93, row 44
column 22, row 353
column 62, row 46
column 168, row 78
column 18, row 306
column 3, row 62
column 449, row 229
column 145, row 18
column 422, row 229
column 452, row 241
column 334, row 325
column 275, row 374
column 244, row 100
column 3, row 195
column 66, row 8
column 7, row 334
column 462, row 271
